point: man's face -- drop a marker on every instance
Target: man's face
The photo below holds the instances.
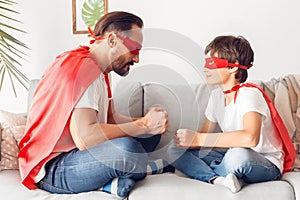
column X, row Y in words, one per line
column 128, row 51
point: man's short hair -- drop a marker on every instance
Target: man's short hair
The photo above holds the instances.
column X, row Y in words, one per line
column 117, row 21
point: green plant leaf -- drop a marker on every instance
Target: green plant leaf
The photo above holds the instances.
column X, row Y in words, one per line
column 11, row 49
column 91, row 11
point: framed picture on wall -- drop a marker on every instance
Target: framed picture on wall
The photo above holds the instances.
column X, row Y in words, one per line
column 86, row 13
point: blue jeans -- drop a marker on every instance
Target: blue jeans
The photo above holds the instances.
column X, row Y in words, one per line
column 82, row 171
column 208, row 163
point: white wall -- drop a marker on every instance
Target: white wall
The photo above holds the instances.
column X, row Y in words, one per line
column 271, row 26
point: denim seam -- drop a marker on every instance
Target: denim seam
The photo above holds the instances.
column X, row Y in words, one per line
column 63, row 191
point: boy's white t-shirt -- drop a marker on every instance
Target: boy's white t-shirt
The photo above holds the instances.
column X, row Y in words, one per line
column 230, row 118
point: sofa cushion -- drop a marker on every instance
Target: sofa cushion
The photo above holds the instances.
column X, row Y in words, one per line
column 170, row 186
column 128, row 99
column 185, row 105
column 12, row 129
column 12, row 189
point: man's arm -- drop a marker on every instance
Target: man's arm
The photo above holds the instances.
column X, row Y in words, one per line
column 116, row 118
column 247, row 137
column 87, row 132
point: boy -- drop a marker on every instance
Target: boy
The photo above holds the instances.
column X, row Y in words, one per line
column 251, row 147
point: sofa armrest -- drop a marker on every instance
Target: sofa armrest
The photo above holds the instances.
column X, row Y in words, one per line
column 293, row 178
column 32, row 87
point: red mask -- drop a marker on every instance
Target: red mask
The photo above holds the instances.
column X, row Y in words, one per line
column 217, row 63
column 93, row 36
column 133, row 46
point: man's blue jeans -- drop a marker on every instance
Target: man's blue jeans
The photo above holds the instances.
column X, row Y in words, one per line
column 208, row 163
column 81, row 171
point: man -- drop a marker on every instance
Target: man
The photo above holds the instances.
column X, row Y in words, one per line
column 75, row 141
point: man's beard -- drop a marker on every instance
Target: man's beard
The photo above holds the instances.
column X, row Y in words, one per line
column 122, row 70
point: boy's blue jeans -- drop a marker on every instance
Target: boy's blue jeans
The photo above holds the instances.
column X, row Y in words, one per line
column 208, row 163
column 81, row 171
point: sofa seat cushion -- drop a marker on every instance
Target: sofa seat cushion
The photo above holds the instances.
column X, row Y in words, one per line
column 12, row 189
column 171, row 186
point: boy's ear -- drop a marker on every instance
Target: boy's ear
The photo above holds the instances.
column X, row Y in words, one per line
column 233, row 69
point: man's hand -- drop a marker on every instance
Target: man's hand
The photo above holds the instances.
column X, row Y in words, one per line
column 186, row 138
column 156, row 120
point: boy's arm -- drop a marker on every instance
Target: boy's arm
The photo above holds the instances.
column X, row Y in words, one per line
column 208, row 126
column 246, row 137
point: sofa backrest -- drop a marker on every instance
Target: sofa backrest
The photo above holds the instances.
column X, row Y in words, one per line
column 185, row 105
column 32, row 87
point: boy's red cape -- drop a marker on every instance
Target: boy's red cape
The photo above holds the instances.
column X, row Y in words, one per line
column 287, row 144
column 58, row 91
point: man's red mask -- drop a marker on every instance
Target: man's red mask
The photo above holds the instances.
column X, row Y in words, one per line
column 133, row 46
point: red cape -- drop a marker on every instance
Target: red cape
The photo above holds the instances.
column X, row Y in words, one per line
column 58, row 91
column 287, row 144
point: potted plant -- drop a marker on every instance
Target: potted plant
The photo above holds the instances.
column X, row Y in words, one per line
column 11, row 49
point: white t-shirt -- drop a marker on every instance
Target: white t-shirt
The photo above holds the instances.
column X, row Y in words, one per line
column 96, row 97
column 230, row 118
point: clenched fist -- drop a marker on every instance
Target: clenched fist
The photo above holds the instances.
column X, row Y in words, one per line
column 186, row 138
column 156, row 120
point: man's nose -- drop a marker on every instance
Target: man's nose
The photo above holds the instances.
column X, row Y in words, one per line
column 136, row 58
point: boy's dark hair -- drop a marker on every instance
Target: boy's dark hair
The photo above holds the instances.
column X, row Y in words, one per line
column 233, row 49
column 116, row 21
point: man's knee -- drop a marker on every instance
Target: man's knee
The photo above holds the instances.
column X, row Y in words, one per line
column 174, row 153
column 127, row 144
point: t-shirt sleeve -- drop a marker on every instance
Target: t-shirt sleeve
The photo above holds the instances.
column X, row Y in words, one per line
column 90, row 97
column 253, row 101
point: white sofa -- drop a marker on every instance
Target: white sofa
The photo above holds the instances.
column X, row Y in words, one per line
column 185, row 105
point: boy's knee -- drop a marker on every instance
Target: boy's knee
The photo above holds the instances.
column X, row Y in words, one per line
column 238, row 156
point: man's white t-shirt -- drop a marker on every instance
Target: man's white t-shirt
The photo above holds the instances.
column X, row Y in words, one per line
column 230, row 118
column 96, row 97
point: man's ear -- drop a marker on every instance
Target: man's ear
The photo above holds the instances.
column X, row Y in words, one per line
column 112, row 40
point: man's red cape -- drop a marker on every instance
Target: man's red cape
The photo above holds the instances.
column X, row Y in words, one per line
column 288, row 147
column 58, row 91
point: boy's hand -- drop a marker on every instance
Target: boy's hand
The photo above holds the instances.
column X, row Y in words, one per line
column 185, row 138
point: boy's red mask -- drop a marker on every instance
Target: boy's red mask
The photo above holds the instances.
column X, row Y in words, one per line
column 217, row 63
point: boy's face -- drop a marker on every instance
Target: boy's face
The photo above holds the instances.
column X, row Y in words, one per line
column 216, row 76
